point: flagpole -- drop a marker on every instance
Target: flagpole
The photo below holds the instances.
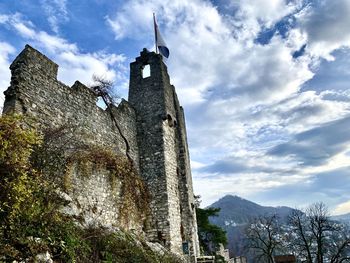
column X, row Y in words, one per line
column 155, row 32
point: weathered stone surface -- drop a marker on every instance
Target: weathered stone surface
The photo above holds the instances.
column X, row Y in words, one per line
column 43, row 258
column 164, row 157
column 152, row 122
column 36, row 92
column 95, row 198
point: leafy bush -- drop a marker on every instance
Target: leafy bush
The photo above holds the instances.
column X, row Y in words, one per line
column 29, row 207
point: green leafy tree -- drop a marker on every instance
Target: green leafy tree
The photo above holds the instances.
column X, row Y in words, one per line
column 210, row 235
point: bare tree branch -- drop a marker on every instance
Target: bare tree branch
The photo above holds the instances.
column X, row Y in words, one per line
column 104, row 90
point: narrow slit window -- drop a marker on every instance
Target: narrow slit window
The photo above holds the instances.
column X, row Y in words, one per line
column 146, row 71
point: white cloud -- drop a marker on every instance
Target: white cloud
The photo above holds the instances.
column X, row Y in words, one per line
column 269, row 11
column 326, row 24
column 342, row 208
column 134, row 21
column 300, row 112
column 3, row 19
column 231, row 127
column 243, row 185
column 5, row 50
column 212, row 49
column 252, row 15
column 73, row 64
column 56, row 12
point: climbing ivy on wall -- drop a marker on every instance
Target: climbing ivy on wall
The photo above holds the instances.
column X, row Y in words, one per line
column 29, row 206
column 63, row 152
column 134, row 195
column 17, row 177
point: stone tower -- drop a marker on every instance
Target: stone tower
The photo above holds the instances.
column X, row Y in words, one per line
column 164, row 157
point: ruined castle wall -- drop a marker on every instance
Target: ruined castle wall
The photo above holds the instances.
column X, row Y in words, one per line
column 171, row 171
column 48, row 103
column 154, row 125
column 145, row 98
column 152, row 98
column 164, row 158
column 188, row 211
column 37, row 93
column 94, row 197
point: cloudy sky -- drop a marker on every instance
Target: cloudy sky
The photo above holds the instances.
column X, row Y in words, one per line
column 264, row 83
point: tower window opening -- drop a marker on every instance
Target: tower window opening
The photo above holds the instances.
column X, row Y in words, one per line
column 146, row 71
column 170, row 120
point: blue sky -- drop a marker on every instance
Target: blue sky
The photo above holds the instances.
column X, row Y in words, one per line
column 264, row 83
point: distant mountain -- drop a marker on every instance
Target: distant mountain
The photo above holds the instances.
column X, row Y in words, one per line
column 342, row 218
column 236, row 212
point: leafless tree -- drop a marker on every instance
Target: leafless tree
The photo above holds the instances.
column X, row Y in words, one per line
column 104, row 89
column 340, row 246
column 311, row 235
column 320, row 225
column 300, row 236
column 317, row 238
column 262, row 237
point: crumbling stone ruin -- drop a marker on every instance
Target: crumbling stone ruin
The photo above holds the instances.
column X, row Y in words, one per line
column 153, row 123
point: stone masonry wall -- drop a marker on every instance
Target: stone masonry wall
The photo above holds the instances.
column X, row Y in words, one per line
column 154, row 125
column 188, row 211
column 146, row 95
column 164, row 159
column 170, row 154
column 36, row 93
column 93, row 198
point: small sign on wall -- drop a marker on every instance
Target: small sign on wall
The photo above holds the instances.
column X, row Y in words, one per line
column 185, row 248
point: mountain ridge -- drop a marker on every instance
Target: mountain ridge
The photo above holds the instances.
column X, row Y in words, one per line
column 236, row 212
column 242, row 210
column 345, row 218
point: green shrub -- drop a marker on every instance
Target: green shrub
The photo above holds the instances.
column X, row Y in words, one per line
column 29, row 206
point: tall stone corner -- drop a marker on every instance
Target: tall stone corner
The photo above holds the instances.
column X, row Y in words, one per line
column 164, row 156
